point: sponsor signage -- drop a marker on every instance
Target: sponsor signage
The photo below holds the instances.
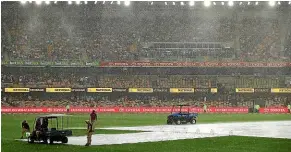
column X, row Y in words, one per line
column 58, row 90
column 78, row 89
column 119, row 90
column 195, row 64
column 36, row 89
column 213, row 90
column 182, row 90
column 141, row 90
column 262, row 90
column 120, row 109
column 245, row 90
column 16, row 89
column 99, row 90
column 281, row 90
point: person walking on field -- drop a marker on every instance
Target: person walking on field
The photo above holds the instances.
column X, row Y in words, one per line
column 90, row 131
column 68, row 108
column 205, row 108
column 93, row 119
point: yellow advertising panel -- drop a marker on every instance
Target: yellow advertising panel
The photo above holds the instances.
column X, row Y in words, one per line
column 213, row 90
column 182, row 90
column 99, row 90
column 16, row 89
column 281, row 90
column 141, row 90
column 245, row 90
column 58, row 89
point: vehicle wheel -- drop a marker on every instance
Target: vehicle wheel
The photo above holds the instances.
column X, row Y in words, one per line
column 30, row 140
column 51, row 141
column 65, row 140
column 170, row 121
column 193, row 121
column 178, row 122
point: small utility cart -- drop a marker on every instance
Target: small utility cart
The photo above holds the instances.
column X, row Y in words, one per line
column 46, row 129
column 181, row 117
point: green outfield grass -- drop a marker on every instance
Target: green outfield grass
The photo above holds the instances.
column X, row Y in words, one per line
column 11, row 126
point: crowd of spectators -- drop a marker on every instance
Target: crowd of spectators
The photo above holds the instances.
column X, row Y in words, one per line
column 141, row 81
column 56, row 33
column 231, row 100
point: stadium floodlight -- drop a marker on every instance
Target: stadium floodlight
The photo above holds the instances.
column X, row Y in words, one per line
column 257, row 3
column 192, row 3
column 174, row 3
column 23, row 2
column 166, row 3
column 214, row 3
column 207, row 3
column 95, row 2
column 78, row 2
column 152, row 3
column 56, row 2
column 290, row 3
column 127, row 3
column 38, row 2
column 182, row 3
column 85, row 2
column 279, row 3
column 111, row 2
column 230, row 3
column 249, row 3
column 70, row 2
column 240, row 3
column 118, row 2
column 272, row 3
column 104, row 2
column 30, row 2
column 47, row 2
column 222, row 3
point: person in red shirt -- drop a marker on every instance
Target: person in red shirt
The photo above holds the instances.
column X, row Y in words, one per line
column 93, row 119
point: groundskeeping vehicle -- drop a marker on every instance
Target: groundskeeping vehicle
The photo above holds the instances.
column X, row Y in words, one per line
column 182, row 117
column 46, row 129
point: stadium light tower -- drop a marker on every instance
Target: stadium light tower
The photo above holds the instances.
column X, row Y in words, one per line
column 56, row 2
column 174, row 3
column 85, row 2
column 230, row 3
column 272, row 3
column 222, row 3
column 38, row 2
column 70, row 2
column 214, row 3
column 127, row 3
column 47, row 2
column 118, row 2
column 192, row 3
column 182, row 3
column 23, row 2
column 78, row 2
column 207, row 3
column 257, row 3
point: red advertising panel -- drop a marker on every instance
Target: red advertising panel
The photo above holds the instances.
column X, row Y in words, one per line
column 274, row 110
column 228, row 110
column 120, row 110
column 195, row 64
